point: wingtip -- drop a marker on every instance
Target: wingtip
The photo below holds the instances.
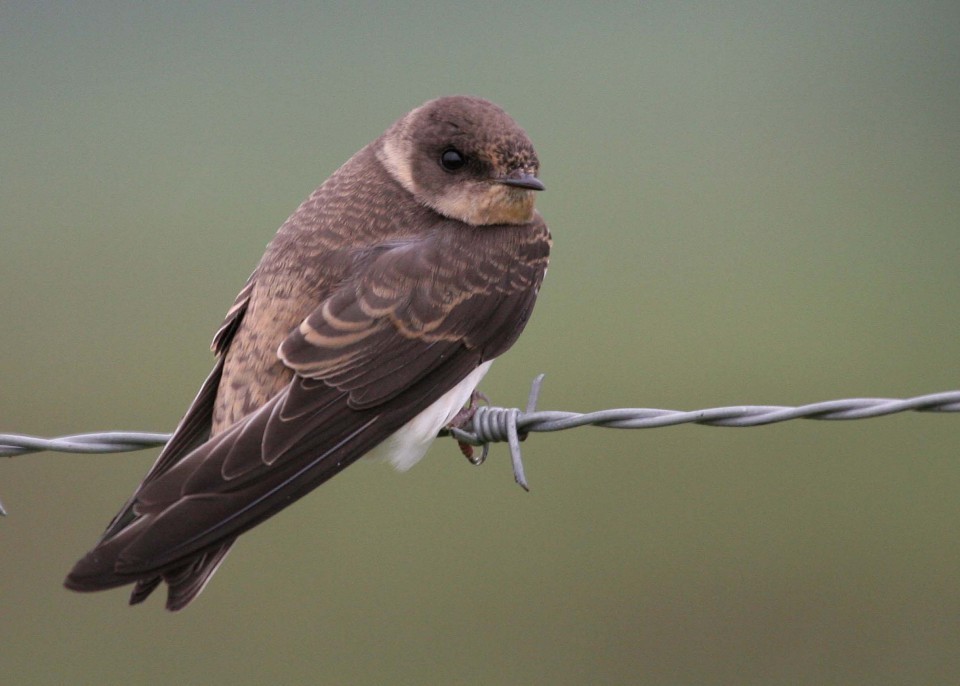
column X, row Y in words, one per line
column 94, row 572
column 82, row 584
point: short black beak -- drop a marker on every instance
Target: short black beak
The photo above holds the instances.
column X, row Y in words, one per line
column 523, row 180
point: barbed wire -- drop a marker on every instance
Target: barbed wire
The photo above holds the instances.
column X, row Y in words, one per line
column 498, row 424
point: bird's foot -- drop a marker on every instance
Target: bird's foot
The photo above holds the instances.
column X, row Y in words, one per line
column 463, row 420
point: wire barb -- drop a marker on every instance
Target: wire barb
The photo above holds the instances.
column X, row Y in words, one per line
column 511, row 425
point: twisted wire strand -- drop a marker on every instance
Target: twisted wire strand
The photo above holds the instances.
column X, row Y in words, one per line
column 498, row 424
column 106, row 442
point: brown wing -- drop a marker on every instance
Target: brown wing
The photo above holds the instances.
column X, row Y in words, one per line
column 413, row 320
column 415, row 303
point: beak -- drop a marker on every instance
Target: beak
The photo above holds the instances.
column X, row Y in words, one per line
column 520, row 179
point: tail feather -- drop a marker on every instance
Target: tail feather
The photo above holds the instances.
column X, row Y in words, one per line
column 143, row 588
column 185, row 583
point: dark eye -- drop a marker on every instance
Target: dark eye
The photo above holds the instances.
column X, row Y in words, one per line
column 452, row 159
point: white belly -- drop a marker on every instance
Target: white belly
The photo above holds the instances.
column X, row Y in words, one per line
column 410, row 443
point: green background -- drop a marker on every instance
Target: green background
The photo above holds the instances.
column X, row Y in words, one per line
column 751, row 202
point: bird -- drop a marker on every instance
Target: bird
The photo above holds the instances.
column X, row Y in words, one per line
column 364, row 330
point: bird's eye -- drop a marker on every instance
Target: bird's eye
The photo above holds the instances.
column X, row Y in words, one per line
column 452, row 159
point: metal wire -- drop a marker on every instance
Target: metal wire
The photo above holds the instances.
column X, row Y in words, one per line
column 511, row 425
column 108, row 442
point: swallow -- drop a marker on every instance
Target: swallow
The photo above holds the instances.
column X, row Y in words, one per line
column 363, row 331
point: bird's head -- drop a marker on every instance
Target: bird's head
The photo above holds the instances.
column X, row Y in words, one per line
column 466, row 158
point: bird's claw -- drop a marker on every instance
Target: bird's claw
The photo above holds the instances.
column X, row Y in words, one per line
column 462, row 420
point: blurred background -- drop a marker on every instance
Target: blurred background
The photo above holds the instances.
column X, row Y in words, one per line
column 751, row 203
